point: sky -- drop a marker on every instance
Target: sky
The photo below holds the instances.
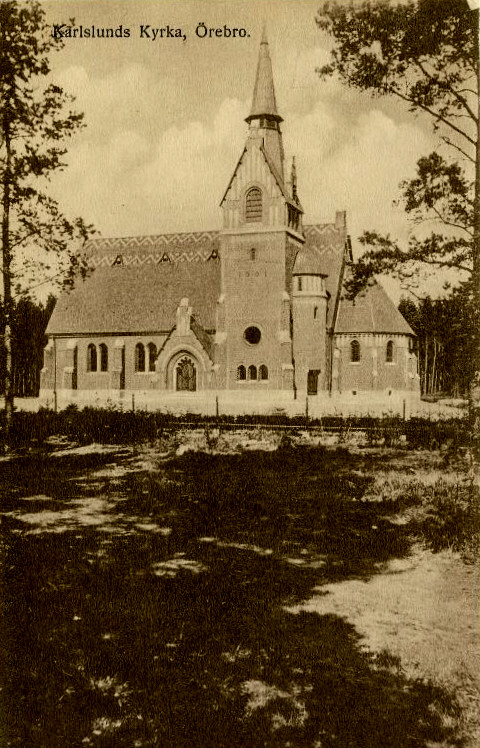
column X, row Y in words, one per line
column 165, row 118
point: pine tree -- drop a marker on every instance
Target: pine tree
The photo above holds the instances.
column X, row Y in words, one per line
column 35, row 119
column 424, row 53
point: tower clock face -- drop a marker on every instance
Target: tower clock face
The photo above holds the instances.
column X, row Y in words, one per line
column 252, row 335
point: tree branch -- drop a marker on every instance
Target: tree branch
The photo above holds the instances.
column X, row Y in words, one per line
column 433, row 113
column 446, row 85
column 451, row 223
column 442, row 264
column 457, row 147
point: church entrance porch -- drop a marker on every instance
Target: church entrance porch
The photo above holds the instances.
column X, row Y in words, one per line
column 184, row 373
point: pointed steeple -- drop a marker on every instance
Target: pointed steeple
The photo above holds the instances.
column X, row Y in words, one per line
column 264, row 103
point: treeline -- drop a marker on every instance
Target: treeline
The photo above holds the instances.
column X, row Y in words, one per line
column 29, row 322
column 445, row 330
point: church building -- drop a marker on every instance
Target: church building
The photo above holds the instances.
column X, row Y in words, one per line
column 255, row 310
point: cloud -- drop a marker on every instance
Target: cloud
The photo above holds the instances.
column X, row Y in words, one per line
column 153, row 182
column 355, row 163
column 129, row 97
column 139, row 168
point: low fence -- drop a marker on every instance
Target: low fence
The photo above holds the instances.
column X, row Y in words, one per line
column 114, row 426
column 374, row 404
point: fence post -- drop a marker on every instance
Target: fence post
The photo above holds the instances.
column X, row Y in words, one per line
column 404, row 410
column 133, row 402
column 217, row 413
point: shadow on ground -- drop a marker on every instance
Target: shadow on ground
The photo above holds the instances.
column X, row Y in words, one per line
column 185, row 638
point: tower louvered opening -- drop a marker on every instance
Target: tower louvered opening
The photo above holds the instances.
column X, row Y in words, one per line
column 253, row 205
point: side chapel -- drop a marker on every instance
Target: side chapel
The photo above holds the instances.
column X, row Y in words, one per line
column 256, row 307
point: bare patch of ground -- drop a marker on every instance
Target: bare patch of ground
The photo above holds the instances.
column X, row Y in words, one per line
column 422, row 611
column 244, row 591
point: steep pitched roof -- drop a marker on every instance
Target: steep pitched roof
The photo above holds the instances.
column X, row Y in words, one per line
column 275, row 173
column 139, row 281
column 138, row 284
column 372, row 311
column 205, row 338
column 152, row 249
column 264, row 102
column 324, row 253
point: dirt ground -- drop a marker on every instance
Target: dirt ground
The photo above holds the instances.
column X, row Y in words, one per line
column 281, row 592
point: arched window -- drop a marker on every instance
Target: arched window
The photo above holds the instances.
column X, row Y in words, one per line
column 241, row 373
column 252, row 372
column 92, row 357
column 253, row 205
column 139, row 357
column 315, row 312
column 355, row 351
column 253, row 253
column 103, row 357
column 299, row 284
column 263, row 372
column 152, row 356
column 389, row 352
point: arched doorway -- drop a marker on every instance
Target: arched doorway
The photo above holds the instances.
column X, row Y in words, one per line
column 185, row 375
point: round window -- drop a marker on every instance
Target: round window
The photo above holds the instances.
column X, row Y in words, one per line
column 252, row 335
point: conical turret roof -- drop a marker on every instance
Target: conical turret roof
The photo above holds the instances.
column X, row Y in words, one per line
column 264, row 103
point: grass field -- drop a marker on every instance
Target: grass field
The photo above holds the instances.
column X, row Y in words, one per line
column 290, row 596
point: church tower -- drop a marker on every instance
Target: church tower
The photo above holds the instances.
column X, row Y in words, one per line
column 262, row 233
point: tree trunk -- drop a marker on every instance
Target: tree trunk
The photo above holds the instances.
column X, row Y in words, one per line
column 7, row 281
column 426, row 364
column 433, row 385
column 474, row 398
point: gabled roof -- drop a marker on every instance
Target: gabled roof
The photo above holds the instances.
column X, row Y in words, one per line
column 273, row 169
column 372, row 311
column 139, row 282
column 139, row 250
column 276, row 174
column 142, row 293
column 204, row 338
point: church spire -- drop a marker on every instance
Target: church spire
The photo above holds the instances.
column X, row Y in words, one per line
column 264, row 103
column 264, row 119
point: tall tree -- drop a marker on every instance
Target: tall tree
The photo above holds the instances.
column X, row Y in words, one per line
column 29, row 322
column 444, row 330
column 424, row 53
column 35, row 119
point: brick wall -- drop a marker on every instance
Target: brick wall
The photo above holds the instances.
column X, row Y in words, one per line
column 253, row 286
column 373, row 371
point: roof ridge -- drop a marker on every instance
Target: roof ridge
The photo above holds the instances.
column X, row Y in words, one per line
column 143, row 237
column 212, row 233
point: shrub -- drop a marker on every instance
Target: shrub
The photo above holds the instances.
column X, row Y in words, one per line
column 449, row 517
column 126, row 427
